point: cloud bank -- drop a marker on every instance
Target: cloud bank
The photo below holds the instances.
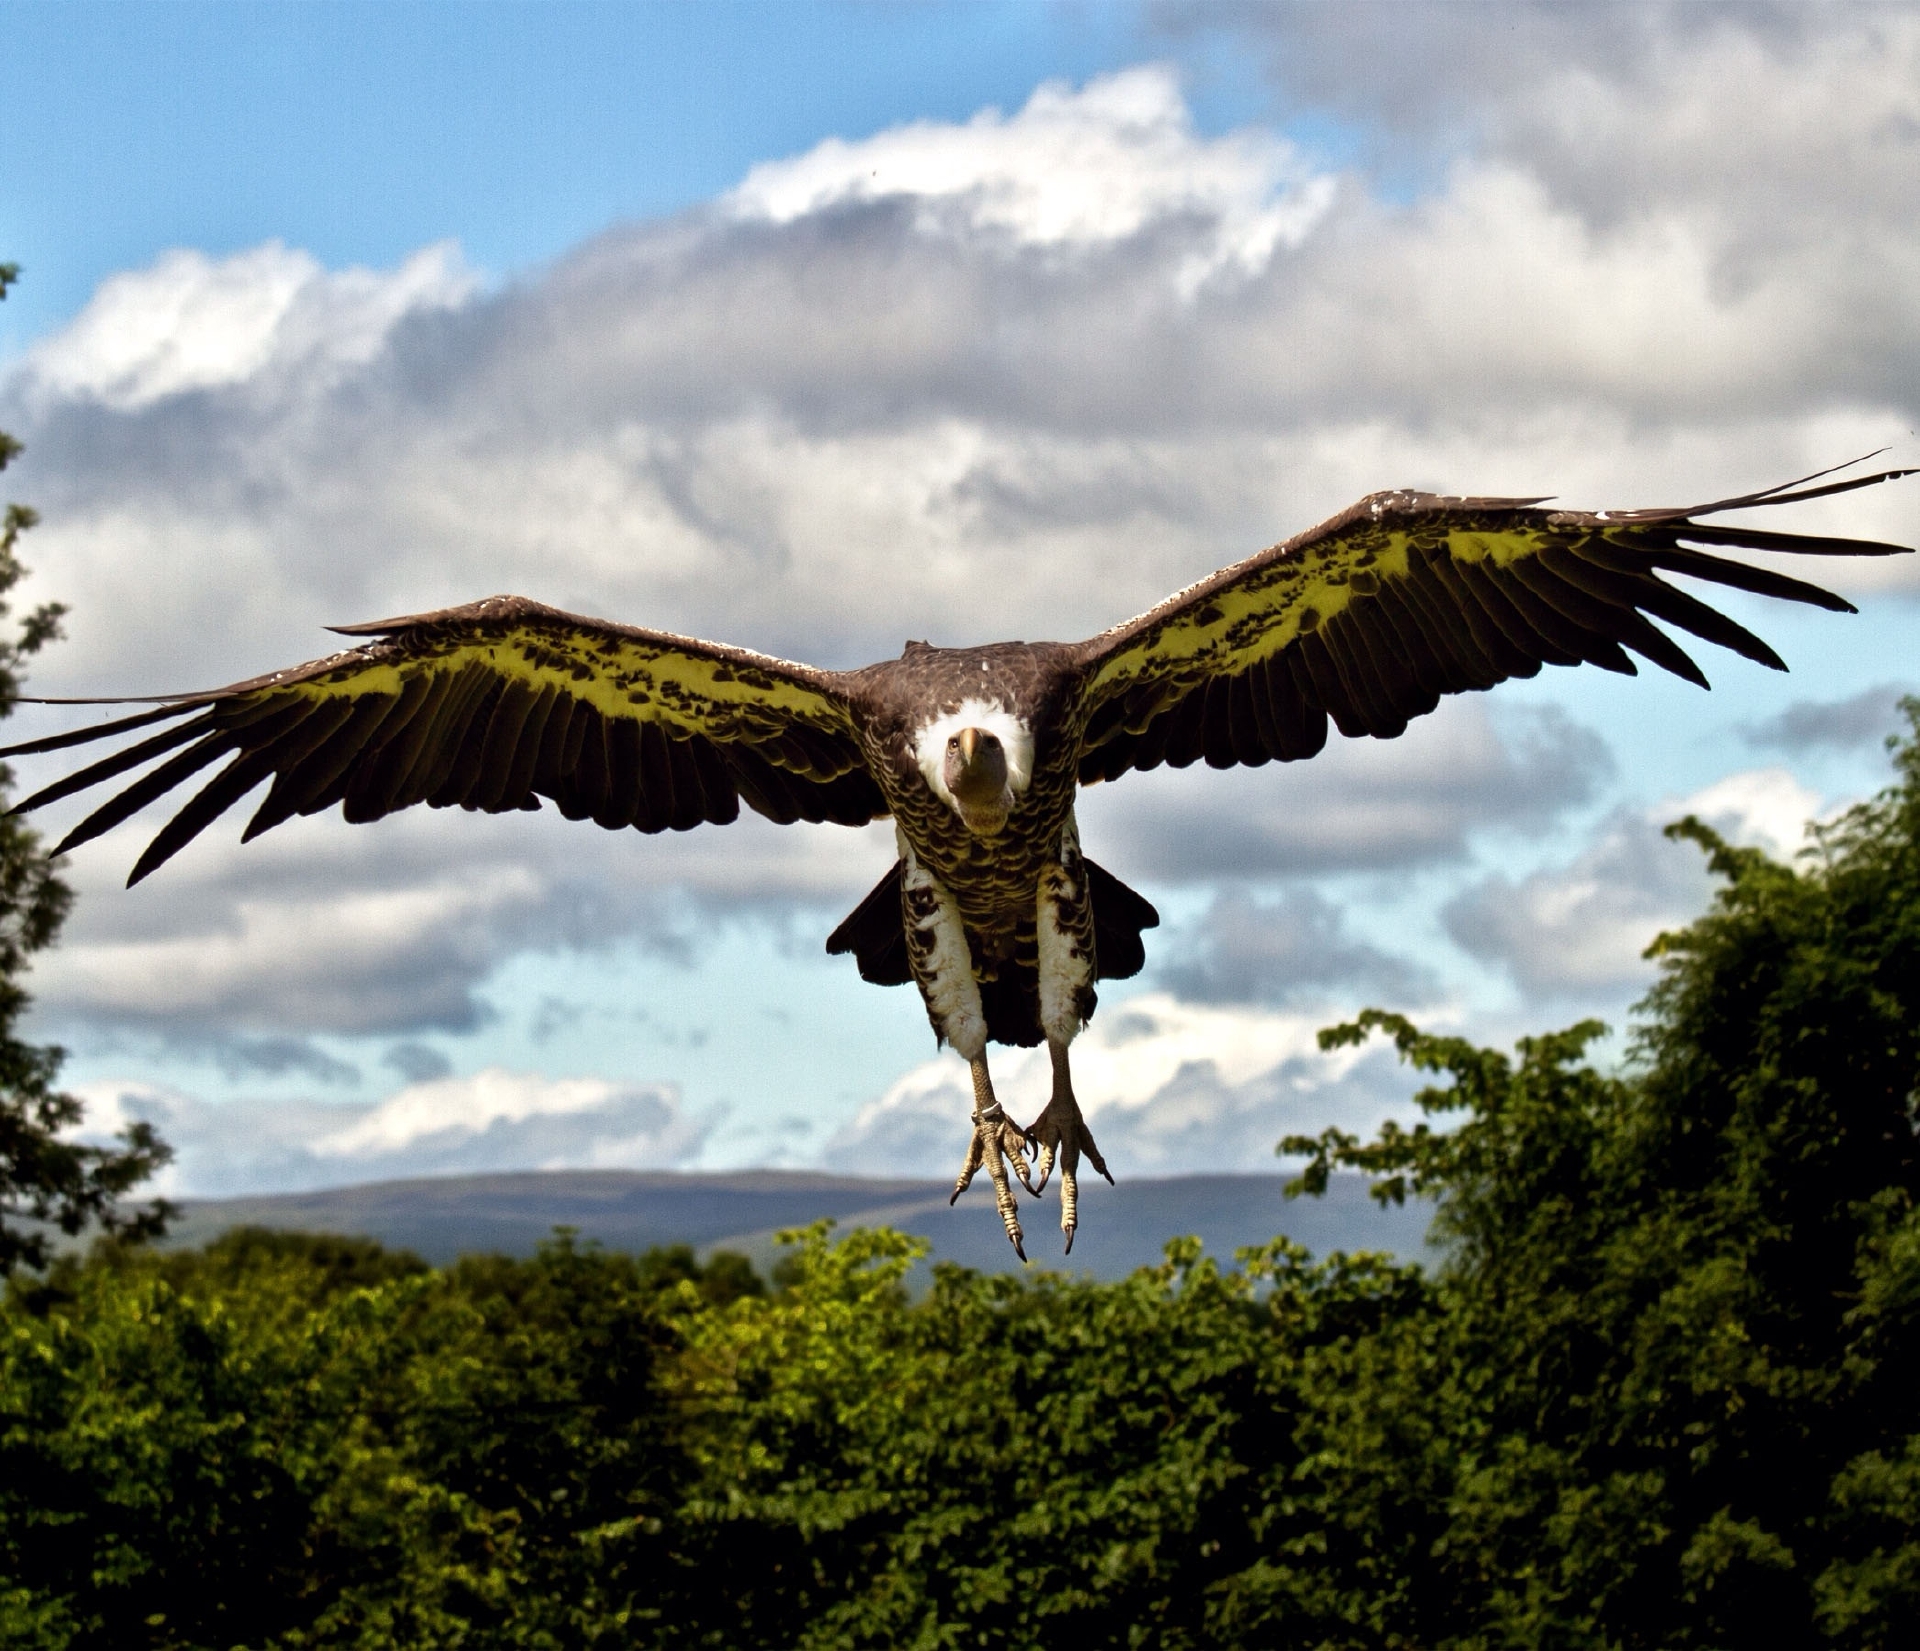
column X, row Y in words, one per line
column 1019, row 375
column 490, row 1120
column 1168, row 1087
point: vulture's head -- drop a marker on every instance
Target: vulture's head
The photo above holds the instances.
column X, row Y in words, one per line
column 978, row 759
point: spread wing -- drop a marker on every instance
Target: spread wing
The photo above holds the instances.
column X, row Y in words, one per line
column 1369, row 618
column 493, row 706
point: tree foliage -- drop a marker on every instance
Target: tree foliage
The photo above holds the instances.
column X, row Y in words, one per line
column 1657, row 1387
column 48, row 1181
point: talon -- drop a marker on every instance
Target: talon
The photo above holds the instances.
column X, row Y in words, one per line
column 996, row 1138
column 1061, row 1135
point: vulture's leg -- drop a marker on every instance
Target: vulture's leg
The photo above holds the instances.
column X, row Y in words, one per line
column 1062, row 1135
column 996, row 1138
column 943, row 966
column 1065, row 935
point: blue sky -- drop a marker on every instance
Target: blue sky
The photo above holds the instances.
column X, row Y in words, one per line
column 815, row 327
column 361, row 131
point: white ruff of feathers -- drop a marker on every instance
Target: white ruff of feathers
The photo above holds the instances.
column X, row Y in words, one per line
column 1016, row 740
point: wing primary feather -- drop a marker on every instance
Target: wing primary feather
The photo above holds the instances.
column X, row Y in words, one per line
column 1650, row 642
column 1709, row 624
column 380, row 765
column 590, row 770
column 464, row 771
column 145, row 789
column 207, row 805
column 1258, row 677
column 1716, row 570
column 657, row 809
column 1187, row 727
column 1216, row 722
column 1357, row 677
column 1599, row 616
column 1498, row 601
column 1508, row 657
column 243, row 711
column 444, row 738
column 1622, row 591
column 689, row 797
column 108, row 767
column 1786, row 493
column 549, row 767
column 716, row 784
column 380, row 776
column 761, row 785
column 526, row 754
column 624, row 797
column 1432, row 670
column 1383, row 683
column 321, row 779
column 99, row 730
column 498, row 747
column 1760, row 538
column 1311, row 653
column 1588, row 646
column 1450, row 632
column 284, row 800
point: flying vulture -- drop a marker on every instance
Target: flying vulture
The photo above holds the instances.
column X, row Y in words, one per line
column 976, row 753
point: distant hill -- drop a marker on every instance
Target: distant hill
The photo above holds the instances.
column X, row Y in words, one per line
column 1122, row 1227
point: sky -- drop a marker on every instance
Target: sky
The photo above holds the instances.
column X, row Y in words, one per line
column 817, row 327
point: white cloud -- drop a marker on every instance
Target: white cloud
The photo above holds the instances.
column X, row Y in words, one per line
column 190, row 322
column 485, row 1121
column 1167, row 1087
column 1079, row 168
column 1759, row 807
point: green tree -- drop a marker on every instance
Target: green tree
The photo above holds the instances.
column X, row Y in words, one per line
column 1676, row 1380
column 300, row 1441
column 47, row 1181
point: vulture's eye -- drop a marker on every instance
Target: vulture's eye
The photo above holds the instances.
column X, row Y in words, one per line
column 953, row 743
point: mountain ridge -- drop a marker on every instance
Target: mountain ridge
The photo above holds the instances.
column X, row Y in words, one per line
column 1121, row 1227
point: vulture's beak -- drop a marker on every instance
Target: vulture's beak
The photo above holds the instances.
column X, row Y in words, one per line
column 977, row 774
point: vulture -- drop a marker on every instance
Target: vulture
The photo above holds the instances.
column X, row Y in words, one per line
column 976, row 753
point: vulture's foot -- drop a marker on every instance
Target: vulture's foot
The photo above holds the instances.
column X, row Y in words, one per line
column 996, row 1138
column 1061, row 1135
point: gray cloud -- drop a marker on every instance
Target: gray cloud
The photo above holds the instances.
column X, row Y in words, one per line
column 1362, row 805
column 952, row 413
column 1580, row 930
column 1248, row 950
column 417, row 1062
column 1862, row 719
column 392, row 929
